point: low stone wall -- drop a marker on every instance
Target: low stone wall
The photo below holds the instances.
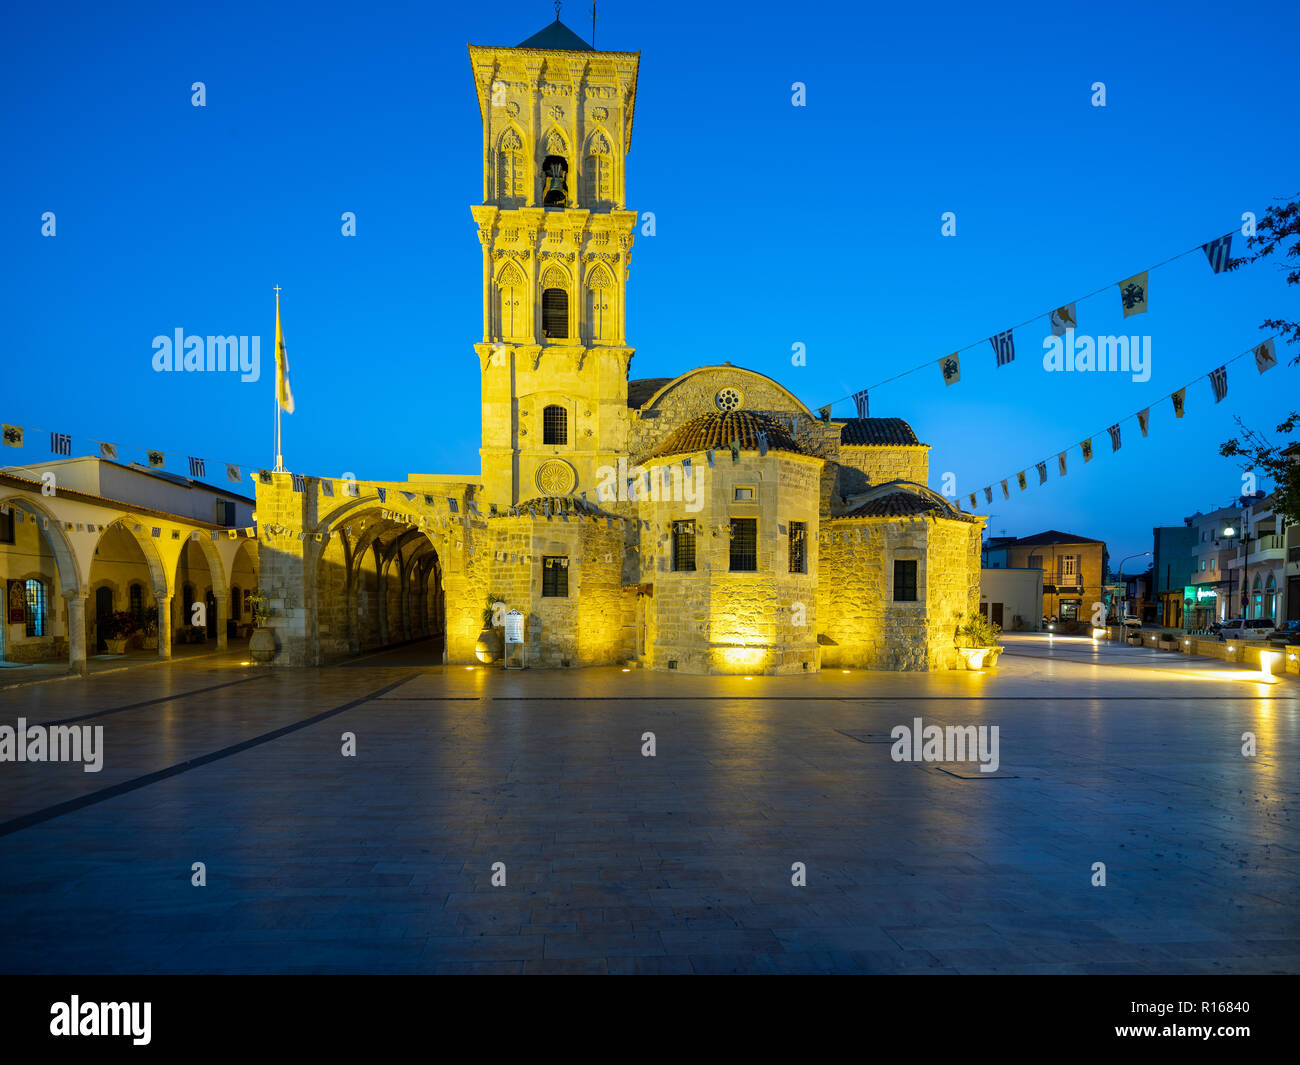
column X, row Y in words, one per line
column 1245, row 651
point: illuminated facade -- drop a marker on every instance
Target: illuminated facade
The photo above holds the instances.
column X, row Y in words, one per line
column 708, row 522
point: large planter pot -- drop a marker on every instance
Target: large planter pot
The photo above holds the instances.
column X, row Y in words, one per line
column 116, row 647
column 489, row 646
column 980, row 657
column 261, row 645
column 149, row 643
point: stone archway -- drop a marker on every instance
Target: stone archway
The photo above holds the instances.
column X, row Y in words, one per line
column 59, row 572
column 374, row 585
column 199, row 568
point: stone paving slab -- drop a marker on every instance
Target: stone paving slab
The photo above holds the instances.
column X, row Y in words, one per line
column 681, row 863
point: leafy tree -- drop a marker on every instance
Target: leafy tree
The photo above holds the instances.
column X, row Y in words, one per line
column 1277, row 233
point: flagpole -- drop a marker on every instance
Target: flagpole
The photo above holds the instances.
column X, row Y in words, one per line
column 279, row 457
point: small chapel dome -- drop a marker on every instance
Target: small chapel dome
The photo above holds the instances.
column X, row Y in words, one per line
column 717, row 431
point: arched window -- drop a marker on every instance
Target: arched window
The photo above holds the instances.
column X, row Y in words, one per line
column 600, row 304
column 510, row 167
column 35, row 608
column 555, row 314
column 598, row 172
column 555, row 425
column 512, row 317
column 136, row 601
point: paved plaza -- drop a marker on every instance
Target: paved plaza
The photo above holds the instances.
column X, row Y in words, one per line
column 681, row 862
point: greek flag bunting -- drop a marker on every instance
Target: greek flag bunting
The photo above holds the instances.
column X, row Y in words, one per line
column 972, row 501
column 156, row 459
column 1006, row 492
column 988, row 494
column 1219, row 382
column 197, row 467
column 1042, row 472
column 1219, row 252
column 1144, row 419
column 299, row 482
column 232, row 473
column 1114, row 436
column 1180, row 400
column 762, row 440
column 1086, row 447
column 60, row 443
column 1004, row 347
column 1020, row 480
column 327, row 488
column 860, row 399
column 1060, row 463
column 108, row 451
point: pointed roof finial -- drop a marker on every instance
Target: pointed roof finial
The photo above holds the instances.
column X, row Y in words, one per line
column 557, row 10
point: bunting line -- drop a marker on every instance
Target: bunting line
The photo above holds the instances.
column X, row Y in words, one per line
column 1218, row 378
column 1216, row 250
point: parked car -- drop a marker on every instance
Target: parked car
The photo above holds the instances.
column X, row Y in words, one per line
column 1247, row 629
column 1132, row 621
column 1286, row 633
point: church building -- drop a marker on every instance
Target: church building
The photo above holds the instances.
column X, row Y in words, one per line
column 706, row 523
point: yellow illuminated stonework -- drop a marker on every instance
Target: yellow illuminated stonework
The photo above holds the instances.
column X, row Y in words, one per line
column 707, row 522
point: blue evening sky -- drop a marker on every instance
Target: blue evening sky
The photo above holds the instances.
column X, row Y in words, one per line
column 776, row 225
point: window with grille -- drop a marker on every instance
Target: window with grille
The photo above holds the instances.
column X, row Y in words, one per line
column 555, row 576
column 555, row 425
column 35, row 608
column 683, row 545
column 798, row 547
column 555, row 314
column 744, row 545
column 904, row 580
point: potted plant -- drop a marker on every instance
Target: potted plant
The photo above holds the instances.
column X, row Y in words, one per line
column 491, row 641
column 261, row 644
column 116, row 629
column 149, row 629
column 977, row 641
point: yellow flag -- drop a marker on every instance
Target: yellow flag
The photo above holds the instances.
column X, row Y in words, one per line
column 283, row 394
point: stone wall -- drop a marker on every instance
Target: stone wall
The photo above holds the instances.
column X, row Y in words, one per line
column 862, row 625
column 713, row 620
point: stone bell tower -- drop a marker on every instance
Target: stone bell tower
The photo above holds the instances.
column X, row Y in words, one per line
column 557, row 238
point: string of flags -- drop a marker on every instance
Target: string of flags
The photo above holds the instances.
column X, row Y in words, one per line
column 1133, row 294
column 1265, row 359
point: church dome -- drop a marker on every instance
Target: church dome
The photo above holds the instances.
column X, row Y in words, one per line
column 717, row 430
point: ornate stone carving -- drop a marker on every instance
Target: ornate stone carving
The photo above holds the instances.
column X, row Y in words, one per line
column 600, row 113
column 555, row 477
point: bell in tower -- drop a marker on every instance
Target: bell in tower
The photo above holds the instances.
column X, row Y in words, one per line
column 556, row 173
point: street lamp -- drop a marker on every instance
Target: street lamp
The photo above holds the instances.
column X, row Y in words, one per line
column 1140, row 554
column 1245, row 539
